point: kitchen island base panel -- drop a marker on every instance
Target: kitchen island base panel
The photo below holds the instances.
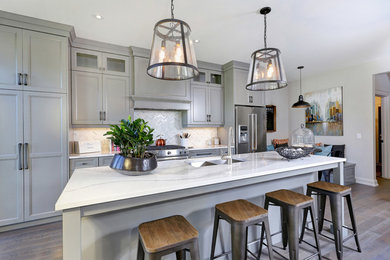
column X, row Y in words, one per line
column 113, row 235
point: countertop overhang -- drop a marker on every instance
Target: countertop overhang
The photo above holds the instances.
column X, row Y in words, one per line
column 89, row 187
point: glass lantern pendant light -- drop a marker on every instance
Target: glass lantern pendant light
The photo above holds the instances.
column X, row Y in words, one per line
column 172, row 56
column 266, row 70
column 300, row 103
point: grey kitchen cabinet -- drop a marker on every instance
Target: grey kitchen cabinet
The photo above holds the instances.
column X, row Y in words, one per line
column 33, row 154
column 33, row 61
column 99, row 99
column 89, row 163
column 46, row 155
column 11, row 53
column 242, row 96
column 11, row 174
column 100, row 62
column 207, row 76
column 147, row 87
column 206, row 106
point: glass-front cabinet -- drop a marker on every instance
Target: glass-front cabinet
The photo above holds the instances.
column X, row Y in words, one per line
column 209, row 77
column 99, row 62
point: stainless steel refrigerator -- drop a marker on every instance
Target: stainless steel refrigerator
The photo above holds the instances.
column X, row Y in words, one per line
column 250, row 129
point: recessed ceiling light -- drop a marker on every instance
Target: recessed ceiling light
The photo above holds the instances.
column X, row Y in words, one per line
column 196, row 41
column 98, row 16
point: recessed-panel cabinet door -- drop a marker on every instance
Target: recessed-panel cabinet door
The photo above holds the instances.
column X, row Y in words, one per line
column 199, row 104
column 11, row 172
column 10, row 57
column 45, row 138
column 45, row 62
column 116, row 99
column 216, row 105
column 87, row 98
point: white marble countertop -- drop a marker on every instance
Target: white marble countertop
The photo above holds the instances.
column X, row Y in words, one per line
column 90, row 186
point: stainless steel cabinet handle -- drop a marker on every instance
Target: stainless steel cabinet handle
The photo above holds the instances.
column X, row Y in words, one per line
column 25, row 79
column 104, row 116
column 20, row 79
column 100, row 116
column 25, row 156
column 20, row 145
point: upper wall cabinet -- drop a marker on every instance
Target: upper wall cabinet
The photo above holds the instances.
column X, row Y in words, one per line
column 33, row 61
column 100, row 62
column 209, row 77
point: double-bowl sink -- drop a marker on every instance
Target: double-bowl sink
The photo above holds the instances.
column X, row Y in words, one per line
column 203, row 163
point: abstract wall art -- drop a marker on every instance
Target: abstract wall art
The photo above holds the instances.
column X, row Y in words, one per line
column 325, row 115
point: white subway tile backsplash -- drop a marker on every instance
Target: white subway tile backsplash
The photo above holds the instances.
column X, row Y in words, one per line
column 166, row 123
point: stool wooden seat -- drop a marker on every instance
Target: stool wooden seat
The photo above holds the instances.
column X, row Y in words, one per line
column 289, row 197
column 241, row 214
column 164, row 236
column 336, row 193
column 330, row 187
column 240, row 210
column 291, row 203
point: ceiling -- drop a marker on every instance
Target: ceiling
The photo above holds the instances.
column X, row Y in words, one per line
column 319, row 34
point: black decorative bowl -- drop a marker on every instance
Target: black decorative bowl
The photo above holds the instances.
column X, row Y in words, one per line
column 134, row 166
column 291, row 153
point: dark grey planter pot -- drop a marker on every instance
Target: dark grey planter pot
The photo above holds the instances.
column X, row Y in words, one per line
column 133, row 166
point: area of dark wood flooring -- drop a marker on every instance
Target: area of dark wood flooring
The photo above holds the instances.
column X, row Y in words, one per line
column 371, row 205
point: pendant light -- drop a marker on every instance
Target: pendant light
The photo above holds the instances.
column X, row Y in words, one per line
column 300, row 103
column 172, row 55
column 266, row 70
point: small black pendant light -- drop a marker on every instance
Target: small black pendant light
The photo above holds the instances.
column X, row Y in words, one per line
column 266, row 71
column 172, row 56
column 301, row 103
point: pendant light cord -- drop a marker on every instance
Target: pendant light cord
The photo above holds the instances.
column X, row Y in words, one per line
column 265, row 31
column 172, row 8
column 300, row 81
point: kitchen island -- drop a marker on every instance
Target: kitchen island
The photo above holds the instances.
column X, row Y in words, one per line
column 102, row 208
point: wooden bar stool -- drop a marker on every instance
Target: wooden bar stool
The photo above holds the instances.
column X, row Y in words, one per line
column 336, row 193
column 291, row 203
column 165, row 236
column 240, row 214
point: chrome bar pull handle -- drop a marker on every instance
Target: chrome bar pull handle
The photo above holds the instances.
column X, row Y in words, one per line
column 104, row 116
column 25, row 79
column 20, row 156
column 25, row 156
column 20, row 78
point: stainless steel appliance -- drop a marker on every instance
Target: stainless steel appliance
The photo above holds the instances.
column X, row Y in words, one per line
column 250, row 129
column 169, row 152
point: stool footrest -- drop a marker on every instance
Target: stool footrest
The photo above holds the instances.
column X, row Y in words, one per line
column 346, row 227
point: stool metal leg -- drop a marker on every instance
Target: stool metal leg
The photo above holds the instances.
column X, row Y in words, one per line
column 181, row 255
column 268, row 237
column 266, row 204
column 353, row 221
column 321, row 212
column 308, row 193
column 194, row 250
column 215, row 233
column 293, row 232
column 285, row 233
column 140, row 251
column 335, row 206
column 315, row 230
column 239, row 241
column 152, row 257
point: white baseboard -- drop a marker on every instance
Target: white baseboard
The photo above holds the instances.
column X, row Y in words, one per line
column 366, row 181
column 30, row 223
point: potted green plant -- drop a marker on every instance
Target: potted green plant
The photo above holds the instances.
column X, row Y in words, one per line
column 132, row 137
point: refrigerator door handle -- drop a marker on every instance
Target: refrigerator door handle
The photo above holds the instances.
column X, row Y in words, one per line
column 252, row 132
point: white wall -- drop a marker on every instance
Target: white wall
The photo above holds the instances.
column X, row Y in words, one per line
column 358, row 112
column 280, row 99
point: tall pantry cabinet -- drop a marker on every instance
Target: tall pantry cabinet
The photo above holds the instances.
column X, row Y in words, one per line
column 33, row 123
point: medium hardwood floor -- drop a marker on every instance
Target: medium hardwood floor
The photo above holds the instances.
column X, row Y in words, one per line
column 371, row 205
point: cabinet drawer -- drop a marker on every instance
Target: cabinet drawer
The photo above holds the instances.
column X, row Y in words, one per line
column 84, row 163
column 105, row 161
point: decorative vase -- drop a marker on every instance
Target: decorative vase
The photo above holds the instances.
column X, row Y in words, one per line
column 134, row 166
